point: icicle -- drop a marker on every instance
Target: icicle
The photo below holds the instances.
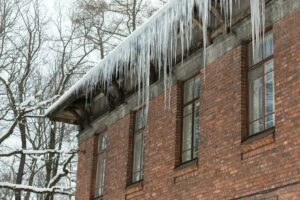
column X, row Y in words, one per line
column 156, row 41
column 258, row 23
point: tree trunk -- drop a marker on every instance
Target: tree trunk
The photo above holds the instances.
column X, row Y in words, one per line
column 51, row 161
column 19, row 179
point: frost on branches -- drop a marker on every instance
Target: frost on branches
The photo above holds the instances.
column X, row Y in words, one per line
column 39, row 157
column 24, row 109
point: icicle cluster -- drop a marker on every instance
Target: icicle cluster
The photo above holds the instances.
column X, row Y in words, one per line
column 258, row 22
column 156, row 42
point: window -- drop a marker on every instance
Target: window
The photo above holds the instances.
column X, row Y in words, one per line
column 261, row 87
column 102, row 144
column 190, row 121
column 138, row 146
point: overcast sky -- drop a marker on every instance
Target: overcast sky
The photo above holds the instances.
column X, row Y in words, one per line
column 52, row 5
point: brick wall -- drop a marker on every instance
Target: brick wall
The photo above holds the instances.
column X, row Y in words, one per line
column 86, row 169
column 264, row 168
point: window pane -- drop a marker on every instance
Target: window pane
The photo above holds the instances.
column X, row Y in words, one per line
column 255, row 94
column 100, row 174
column 142, row 157
column 137, row 176
column 269, row 66
column 187, row 133
column 137, row 152
column 137, row 156
column 140, row 119
column 197, row 87
column 269, row 95
column 268, row 45
column 186, row 156
column 258, row 55
column 269, row 90
column 270, row 121
column 102, row 169
column 196, row 128
column 256, row 126
column 188, row 91
column 188, row 110
column 102, row 143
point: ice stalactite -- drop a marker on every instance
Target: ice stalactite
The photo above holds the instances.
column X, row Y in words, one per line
column 258, row 23
column 156, row 42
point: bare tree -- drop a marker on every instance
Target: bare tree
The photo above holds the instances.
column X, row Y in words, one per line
column 38, row 157
column 40, row 164
column 94, row 21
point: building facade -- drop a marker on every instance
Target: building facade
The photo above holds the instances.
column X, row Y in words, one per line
column 232, row 130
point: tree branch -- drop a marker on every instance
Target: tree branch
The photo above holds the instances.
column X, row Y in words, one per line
column 52, row 190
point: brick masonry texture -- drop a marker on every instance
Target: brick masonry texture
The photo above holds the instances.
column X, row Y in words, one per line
column 86, row 169
column 266, row 168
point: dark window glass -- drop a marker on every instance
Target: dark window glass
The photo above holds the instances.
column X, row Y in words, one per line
column 138, row 146
column 190, row 121
column 102, row 144
column 261, row 88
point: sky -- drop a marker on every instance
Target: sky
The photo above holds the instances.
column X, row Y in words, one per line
column 52, row 6
column 52, row 11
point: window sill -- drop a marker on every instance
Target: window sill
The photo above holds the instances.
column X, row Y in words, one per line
column 259, row 135
column 98, row 198
column 258, row 143
column 188, row 164
column 134, row 187
column 185, row 171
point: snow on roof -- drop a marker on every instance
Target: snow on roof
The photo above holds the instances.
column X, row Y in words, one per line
column 156, row 40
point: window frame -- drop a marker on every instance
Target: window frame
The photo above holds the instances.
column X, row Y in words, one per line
column 136, row 132
column 100, row 152
column 250, row 67
column 183, row 106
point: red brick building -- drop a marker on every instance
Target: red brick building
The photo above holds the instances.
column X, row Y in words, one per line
column 232, row 130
